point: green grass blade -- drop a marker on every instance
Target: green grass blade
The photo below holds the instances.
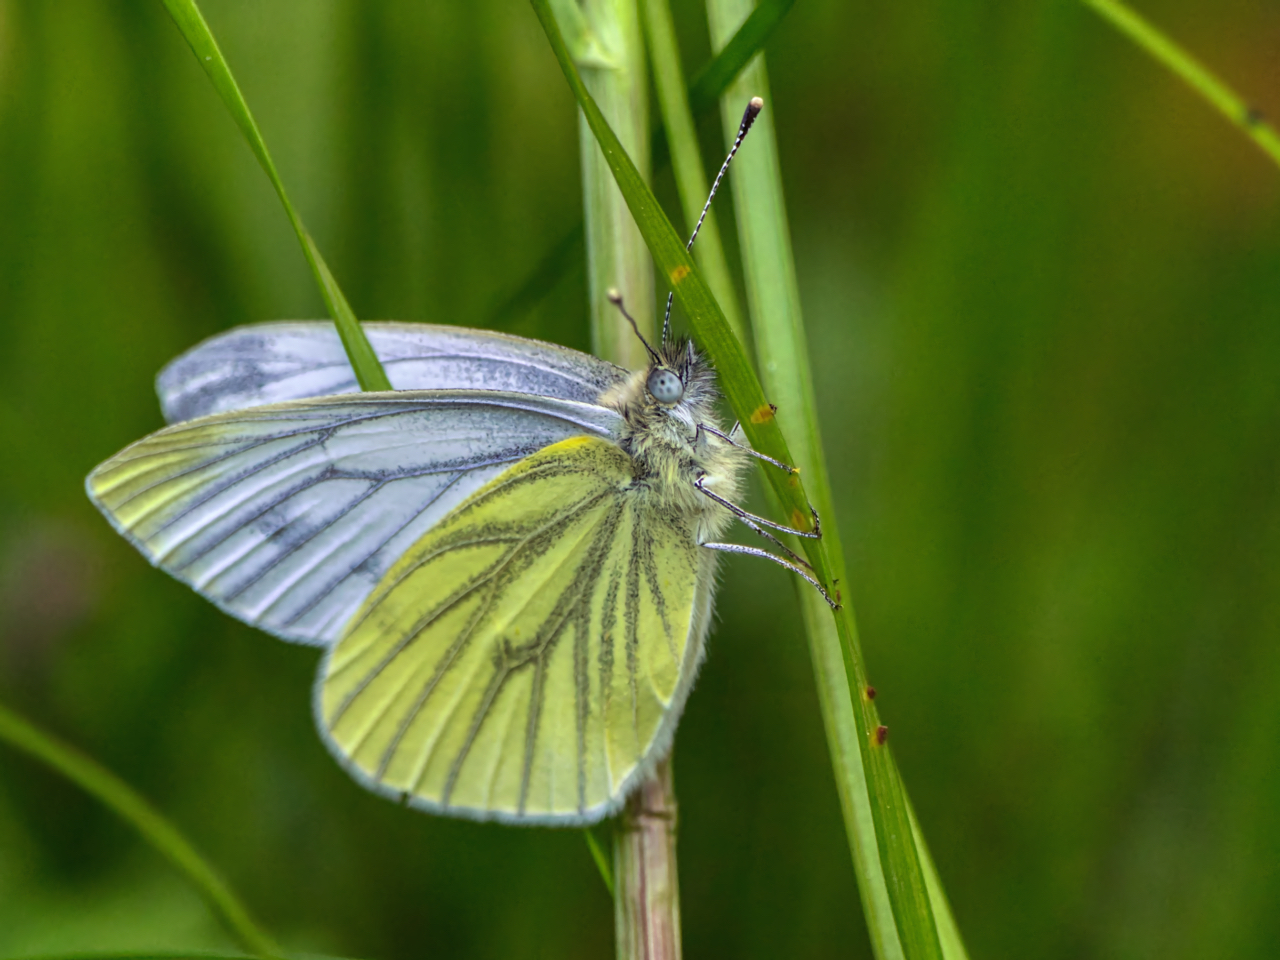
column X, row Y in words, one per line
column 686, row 159
column 601, row 861
column 191, row 23
column 704, row 93
column 1220, row 96
column 738, row 380
column 547, row 273
column 607, row 41
column 155, row 829
column 904, row 876
column 713, row 80
column 609, row 48
column 948, row 930
column 892, row 878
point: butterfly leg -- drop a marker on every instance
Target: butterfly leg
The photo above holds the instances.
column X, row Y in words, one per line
column 728, row 438
column 781, row 561
column 750, row 518
column 795, row 557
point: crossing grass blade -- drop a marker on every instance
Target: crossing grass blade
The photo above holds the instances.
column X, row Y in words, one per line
column 686, row 159
column 713, row 80
column 898, row 861
column 738, row 380
column 192, row 25
column 896, row 924
column 704, row 93
column 113, row 792
column 1202, row 80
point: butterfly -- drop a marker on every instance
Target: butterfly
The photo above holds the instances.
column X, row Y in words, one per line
column 509, row 560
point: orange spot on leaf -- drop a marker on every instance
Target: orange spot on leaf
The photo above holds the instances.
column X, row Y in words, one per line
column 762, row 414
column 679, row 273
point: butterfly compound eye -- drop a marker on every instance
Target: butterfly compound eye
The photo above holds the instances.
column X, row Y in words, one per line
column 665, row 386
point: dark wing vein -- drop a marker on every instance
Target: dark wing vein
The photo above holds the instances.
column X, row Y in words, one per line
column 632, row 626
column 499, row 486
column 460, row 595
column 655, row 591
column 506, row 667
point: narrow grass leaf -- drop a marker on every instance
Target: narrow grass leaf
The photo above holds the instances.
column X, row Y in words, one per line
column 1202, row 80
column 713, row 80
column 610, row 47
column 738, row 380
column 192, row 25
column 602, row 862
column 704, row 92
column 892, row 870
column 904, row 879
column 686, row 159
column 547, row 273
column 155, row 829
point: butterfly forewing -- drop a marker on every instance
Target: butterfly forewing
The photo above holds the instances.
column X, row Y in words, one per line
column 526, row 656
column 288, row 516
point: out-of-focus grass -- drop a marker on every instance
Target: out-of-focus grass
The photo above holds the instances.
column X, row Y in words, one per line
column 18, row 733
column 195, row 30
column 1039, row 280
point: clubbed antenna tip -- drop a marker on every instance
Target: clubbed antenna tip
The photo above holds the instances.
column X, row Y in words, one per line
column 754, row 106
column 616, row 299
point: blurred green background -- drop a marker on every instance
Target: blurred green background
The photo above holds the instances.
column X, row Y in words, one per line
column 1041, row 282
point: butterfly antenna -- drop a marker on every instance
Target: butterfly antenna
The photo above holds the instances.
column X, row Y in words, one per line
column 616, row 299
column 748, row 118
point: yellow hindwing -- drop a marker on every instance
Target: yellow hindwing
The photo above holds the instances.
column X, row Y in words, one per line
column 520, row 660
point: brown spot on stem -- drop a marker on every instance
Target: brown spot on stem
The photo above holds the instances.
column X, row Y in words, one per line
column 881, row 735
column 871, row 693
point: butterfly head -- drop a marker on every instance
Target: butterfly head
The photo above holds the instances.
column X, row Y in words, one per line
column 679, row 381
column 677, row 385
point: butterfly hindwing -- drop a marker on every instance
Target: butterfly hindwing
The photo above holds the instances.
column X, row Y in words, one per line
column 287, row 516
column 529, row 654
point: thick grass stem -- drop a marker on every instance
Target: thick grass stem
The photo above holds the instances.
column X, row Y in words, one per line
column 607, row 42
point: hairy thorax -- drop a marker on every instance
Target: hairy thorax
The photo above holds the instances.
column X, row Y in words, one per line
column 671, row 454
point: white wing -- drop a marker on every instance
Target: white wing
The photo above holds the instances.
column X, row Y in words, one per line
column 287, row 516
column 274, row 362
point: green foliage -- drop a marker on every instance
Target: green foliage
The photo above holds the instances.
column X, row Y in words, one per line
column 113, row 792
column 1202, row 80
column 186, row 15
column 1037, row 281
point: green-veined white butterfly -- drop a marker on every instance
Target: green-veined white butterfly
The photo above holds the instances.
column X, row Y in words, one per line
column 509, row 560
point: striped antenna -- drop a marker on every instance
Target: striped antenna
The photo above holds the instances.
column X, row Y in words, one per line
column 748, row 118
column 616, row 299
